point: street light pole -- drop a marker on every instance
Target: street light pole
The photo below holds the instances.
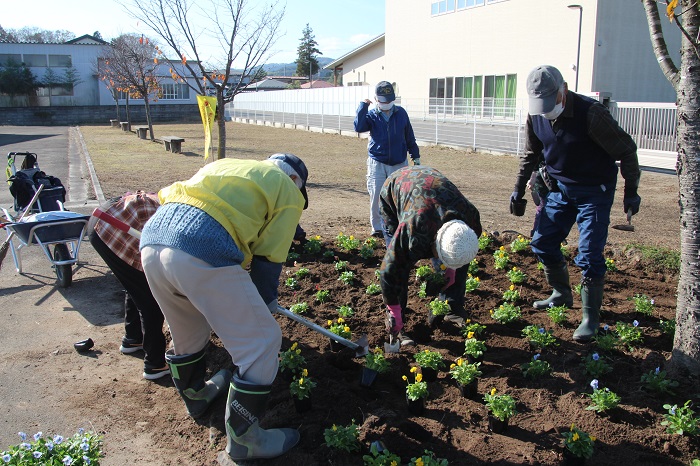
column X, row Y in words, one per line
column 578, row 50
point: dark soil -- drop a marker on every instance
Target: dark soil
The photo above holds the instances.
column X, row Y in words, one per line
column 453, row 427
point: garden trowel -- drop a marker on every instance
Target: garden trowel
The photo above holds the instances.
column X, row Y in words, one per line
column 628, row 226
column 361, row 346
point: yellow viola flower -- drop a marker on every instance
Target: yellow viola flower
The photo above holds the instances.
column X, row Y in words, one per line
column 294, row 346
column 493, row 391
column 512, row 287
column 330, row 322
column 575, row 437
column 592, row 437
column 413, row 369
column 340, row 320
column 404, row 377
column 419, row 377
column 470, row 335
column 442, row 267
column 305, row 373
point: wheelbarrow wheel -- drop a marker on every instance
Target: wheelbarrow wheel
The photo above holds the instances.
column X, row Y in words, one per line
column 64, row 273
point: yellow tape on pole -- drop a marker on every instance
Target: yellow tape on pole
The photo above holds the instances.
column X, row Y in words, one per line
column 207, row 109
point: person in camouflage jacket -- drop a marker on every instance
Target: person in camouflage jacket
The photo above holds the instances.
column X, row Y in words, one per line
column 417, row 204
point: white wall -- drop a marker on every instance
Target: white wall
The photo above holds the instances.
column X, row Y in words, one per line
column 366, row 68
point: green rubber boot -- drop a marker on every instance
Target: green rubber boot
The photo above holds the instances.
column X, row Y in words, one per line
column 558, row 278
column 591, row 300
column 188, row 372
column 244, row 438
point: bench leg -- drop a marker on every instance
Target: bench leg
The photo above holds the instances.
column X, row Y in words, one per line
column 176, row 147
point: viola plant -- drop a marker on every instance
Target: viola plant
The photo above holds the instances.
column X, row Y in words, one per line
column 373, row 289
column 322, row 296
column 381, row 457
column 417, row 389
column 516, row 276
column 343, row 437
column 511, row 294
column 345, row 311
column 299, row 308
column 423, row 290
column 578, row 442
column 610, row 265
column 681, row 420
column 539, row 337
column 472, row 283
column 473, row 347
column 506, row 313
column 371, row 242
column 473, row 267
column 431, row 359
column 643, row 304
column 428, row 459
column 630, row 335
column 439, row 308
column 82, row 448
column 519, row 244
column 347, row 243
column 656, row 381
column 328, row 254
column 366, row 251
column 500, row 258
column 423, row 272
column 595, row 365
column 301, row 387
column 463, row 372
column 292, row 283
column 302, row 272
column 484, row 241
column 340, row 328
column 341, row 266
column 292, row 256
column 313, row 245
column 347, row 277
column 501, row 407
column 603, row 399
column 668, row 327
column 376, row 361
column 291, row 359
column 536, row 368
column 606, row 340
column 475, row 328
column 557, row 314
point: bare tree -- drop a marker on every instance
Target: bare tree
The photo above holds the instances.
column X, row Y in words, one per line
column 187, row 25
column 686, row 82
column 130, row 65
column 41, row 36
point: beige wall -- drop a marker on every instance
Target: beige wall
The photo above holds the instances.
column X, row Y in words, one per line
column 366, row 68
column 513, row 36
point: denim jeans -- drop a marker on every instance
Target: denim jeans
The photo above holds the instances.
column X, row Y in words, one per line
column 377, row 173
column 587, row 206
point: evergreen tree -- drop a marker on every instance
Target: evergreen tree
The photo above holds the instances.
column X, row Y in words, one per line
column 16, row 79
column 307, row 63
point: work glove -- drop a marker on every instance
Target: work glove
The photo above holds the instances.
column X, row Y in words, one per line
column 272, row 306
column 299, row 234
column 517, row 204
column 394, row 321
column 450, row 277
column 631, row 200
column 416, row 161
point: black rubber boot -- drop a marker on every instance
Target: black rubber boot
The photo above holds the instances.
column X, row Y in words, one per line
column 558, row 278
column 244, row 438
column 188, row 372
column 591, row 300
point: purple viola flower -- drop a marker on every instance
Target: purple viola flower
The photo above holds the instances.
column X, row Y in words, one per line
column 536, row 357
column 57, row 439
column 67, row 460
column 6, row 458
column 657, row 371
column 22, row 435
column 38, row 435
column 595, row 356
column 635, row 323
column 25, row 445
column 606, row 327
column 37, row 454
column 541, row 330
column 651, row 302
column 594, row 384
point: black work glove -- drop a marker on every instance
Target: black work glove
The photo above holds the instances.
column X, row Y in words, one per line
column 517, row 204
column 631, row 203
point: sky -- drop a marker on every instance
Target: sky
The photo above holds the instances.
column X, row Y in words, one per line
column 339, row 26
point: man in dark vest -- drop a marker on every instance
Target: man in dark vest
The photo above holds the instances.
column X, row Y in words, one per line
column 580, row 142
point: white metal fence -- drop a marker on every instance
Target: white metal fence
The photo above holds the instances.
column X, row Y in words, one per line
column 479, row 124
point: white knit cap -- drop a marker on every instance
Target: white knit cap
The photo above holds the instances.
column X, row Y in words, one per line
column 456, row 244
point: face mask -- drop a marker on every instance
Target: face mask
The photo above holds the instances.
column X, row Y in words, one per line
column 556, row 111
column 385, row 107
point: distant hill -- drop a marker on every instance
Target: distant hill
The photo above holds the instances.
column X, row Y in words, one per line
column 288, row 69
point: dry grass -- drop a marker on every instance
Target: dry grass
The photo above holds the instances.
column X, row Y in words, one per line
column 338, row 198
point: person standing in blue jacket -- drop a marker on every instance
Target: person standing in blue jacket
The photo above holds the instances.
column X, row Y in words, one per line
column 390, row 138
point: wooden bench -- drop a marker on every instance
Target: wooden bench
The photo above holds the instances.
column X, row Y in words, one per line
column 141, row 131
column 124, row 125
column 173, row 143
column 114, row 123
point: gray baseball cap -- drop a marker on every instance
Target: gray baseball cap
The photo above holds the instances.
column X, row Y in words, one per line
column 543, row 84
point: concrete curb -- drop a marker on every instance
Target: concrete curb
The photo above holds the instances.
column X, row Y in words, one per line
column 99, row 194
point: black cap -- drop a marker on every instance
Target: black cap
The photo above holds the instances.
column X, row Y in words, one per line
column 299, row 167
column 385, row 92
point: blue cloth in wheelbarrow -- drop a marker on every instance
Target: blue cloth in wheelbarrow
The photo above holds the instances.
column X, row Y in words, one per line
column 68, row 226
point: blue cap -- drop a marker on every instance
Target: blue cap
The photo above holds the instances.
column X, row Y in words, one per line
column 385, row 92
column 299, row 167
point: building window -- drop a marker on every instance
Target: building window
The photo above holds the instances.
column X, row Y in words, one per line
column 482, row 96
column 62, row 90
column 7, row 58
column 60, row 61
column 35, row 60
column 174, row 92
column 442, row 6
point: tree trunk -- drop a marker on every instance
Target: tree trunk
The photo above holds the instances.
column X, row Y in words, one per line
column 128, row 114
column 686, row 344
column 221, row 149
column 149, row 122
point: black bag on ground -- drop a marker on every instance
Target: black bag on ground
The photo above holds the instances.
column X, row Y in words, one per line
column 24, row 184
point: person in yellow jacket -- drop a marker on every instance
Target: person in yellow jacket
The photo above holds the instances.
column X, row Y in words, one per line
column 194, row 251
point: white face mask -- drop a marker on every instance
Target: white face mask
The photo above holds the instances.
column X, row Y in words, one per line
column 385, row 107
column 556, row 111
